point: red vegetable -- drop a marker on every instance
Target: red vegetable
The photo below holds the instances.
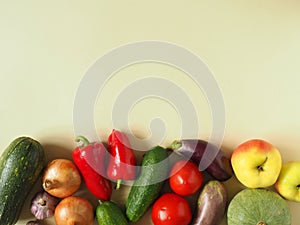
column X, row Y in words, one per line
column 171, row 209
column 122, row 160
column 90, row 159
column 185, row 178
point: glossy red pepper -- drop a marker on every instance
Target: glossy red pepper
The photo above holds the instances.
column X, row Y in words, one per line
column 122, row 161
column 89, row 159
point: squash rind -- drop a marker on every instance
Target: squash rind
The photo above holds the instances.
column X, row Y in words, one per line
column 250, row 206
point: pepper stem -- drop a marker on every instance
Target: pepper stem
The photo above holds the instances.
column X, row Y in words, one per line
column 85, row 142
column 176, row 145
column 119, row 181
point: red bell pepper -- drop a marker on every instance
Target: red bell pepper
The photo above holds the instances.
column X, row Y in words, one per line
column 89, row 159
column 122, row 161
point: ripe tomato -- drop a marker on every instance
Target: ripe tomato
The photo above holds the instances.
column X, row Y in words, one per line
column 186, row 178
column 171, row 209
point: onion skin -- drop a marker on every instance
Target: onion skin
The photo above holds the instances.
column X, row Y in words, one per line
column 74, row 210
column 61, row 178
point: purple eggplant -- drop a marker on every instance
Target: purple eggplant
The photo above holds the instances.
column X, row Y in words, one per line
column 212, row 204
column 207, row 156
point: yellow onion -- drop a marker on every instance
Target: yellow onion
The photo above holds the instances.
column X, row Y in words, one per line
column 74, row 210
column 61, row 178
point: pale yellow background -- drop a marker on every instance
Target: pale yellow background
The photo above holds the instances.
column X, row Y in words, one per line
column 252, row 47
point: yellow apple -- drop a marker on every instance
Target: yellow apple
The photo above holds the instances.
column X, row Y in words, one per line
column 256, row 163
column 288, row 183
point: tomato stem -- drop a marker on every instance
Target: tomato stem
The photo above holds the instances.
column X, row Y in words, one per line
column 85, row 142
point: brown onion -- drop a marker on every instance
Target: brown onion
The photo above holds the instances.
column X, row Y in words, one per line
column 74, row 210
column 61, row 178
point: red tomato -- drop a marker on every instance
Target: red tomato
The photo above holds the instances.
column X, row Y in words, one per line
column 171, row 209
column 186, row 178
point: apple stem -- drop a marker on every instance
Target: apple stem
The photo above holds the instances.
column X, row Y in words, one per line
column 260, row 167
column 261, row 223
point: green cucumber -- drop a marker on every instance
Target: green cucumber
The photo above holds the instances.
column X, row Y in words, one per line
column 148, row 185
column 20, row 165
column 109, row 213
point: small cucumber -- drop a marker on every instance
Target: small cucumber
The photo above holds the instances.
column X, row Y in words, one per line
column 109, row 213
column 148, row 185
column 20, row 166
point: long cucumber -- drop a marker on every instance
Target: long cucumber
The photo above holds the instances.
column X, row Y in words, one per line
column 148, row 185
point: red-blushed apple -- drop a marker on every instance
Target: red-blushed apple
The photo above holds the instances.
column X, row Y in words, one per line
column 256, row 163
column 288, row 183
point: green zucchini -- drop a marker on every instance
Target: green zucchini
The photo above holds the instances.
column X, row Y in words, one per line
column 20, row 165
column 148, row 185
column 109, row 213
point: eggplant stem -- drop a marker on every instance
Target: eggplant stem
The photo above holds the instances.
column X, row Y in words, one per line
column 85, row 142
column 176, row 145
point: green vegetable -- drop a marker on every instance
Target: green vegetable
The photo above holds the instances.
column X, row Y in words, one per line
column 20, row 165
column 148, row 186
column 258, row 207
column 108, row 213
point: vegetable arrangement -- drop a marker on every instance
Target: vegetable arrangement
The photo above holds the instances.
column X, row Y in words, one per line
column 97, row 166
